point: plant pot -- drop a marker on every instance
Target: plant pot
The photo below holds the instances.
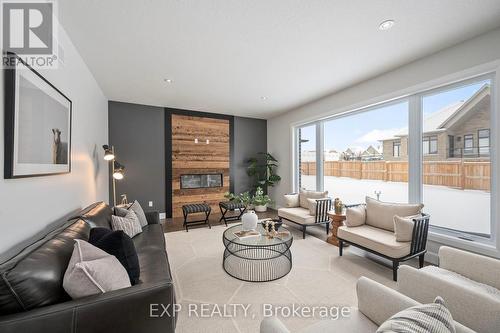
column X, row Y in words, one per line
column 261, row 208
column 249, row 220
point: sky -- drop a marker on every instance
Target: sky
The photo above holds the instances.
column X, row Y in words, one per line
column 364, row 129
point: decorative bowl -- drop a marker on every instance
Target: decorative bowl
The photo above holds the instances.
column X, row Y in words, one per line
column 277, row 224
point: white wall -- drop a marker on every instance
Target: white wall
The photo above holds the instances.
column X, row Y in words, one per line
column 28, row 205
column 412, row 77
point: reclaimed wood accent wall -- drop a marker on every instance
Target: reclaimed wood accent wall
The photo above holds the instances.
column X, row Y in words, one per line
column 189, row 157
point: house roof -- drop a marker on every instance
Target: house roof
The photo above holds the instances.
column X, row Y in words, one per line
column 437, row 121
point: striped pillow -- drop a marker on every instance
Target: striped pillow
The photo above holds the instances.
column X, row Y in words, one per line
column 425, row 318
column 129, row 223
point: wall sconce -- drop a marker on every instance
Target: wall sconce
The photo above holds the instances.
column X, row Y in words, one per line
column 196, row 141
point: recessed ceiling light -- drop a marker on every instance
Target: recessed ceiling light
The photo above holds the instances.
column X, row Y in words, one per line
column 168, row 80
column 263, row 98
column 386, row 25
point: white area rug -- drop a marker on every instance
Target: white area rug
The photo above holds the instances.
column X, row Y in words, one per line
column 318, row 277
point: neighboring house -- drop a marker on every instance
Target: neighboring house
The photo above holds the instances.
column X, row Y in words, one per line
column 351, row 154
column 459, row 130
column 308, row 156
column 371, row 154
column 331, row 155
column 328, row 155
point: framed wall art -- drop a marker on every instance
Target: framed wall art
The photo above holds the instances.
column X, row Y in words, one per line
column 37, row 124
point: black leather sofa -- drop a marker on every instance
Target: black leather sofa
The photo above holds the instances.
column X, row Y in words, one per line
column 33, row 300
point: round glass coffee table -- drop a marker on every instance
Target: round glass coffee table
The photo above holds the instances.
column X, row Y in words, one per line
column 259, row 258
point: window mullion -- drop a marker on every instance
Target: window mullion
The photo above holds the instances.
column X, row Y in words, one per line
column 415, row 149
column 319, row 156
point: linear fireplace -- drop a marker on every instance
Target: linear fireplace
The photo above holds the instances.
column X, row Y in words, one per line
column 201, row 181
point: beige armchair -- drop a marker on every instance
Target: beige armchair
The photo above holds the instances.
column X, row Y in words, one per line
column 470, row 284
column 376, row 304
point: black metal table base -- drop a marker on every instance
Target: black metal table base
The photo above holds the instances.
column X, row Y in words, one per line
column 257, row 262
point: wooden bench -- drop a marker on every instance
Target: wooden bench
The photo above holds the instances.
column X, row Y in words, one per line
column 231, row 205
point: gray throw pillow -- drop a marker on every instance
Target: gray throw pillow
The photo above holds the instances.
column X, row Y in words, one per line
column 425, row 318
column 129, row 223
column 92, row 271
column 136, row 207
column 121, row 211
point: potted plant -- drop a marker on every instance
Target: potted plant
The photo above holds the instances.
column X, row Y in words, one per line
column 260, row 200
column 262, row 169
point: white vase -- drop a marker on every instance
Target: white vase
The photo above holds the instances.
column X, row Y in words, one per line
column 249, row 220
column 261, row 208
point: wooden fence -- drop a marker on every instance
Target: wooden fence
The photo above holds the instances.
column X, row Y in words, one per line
column 472, row 175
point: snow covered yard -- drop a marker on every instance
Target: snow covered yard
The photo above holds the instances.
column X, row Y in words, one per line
column 466, row 210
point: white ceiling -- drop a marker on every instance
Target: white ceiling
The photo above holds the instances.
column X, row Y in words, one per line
column 225, row 55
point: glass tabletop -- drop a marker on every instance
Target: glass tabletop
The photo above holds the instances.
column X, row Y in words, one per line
column 262, row 240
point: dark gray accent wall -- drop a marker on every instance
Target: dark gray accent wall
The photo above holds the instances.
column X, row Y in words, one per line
column 138, row 134
column 250, row 138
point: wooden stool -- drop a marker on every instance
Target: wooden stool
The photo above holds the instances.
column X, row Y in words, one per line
column 196, row 208
column 337, row 220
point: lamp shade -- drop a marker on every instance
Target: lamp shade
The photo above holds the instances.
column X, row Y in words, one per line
column 108, row 153
column 119, row 172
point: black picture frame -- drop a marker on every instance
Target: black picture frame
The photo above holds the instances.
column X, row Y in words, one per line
column 12, row 167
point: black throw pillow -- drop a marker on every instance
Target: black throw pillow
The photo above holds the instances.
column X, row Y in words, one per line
column 120, row 245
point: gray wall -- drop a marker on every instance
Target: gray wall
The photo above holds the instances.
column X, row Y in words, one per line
column 250, row 138
column 138, row 134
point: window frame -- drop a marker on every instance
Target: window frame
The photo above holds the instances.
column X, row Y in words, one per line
column 479, row 137
column 468, row 150
column 394, row 145
column 426, row 141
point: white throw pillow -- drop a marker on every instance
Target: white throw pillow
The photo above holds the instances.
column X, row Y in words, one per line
column 292, row 200
column 381, row 214
column 355, row 216
column 403, row 227
column 312, row 203
column 129, row 223
column 92, row 271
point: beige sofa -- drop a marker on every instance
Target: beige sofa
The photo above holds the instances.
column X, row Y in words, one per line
column 470, row 284
column 371, row 227
column 307, row 208
column 376, row 304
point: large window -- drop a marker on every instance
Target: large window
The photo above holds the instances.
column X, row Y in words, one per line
column 384, row 151
column 456, row 189
column 363, row 154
